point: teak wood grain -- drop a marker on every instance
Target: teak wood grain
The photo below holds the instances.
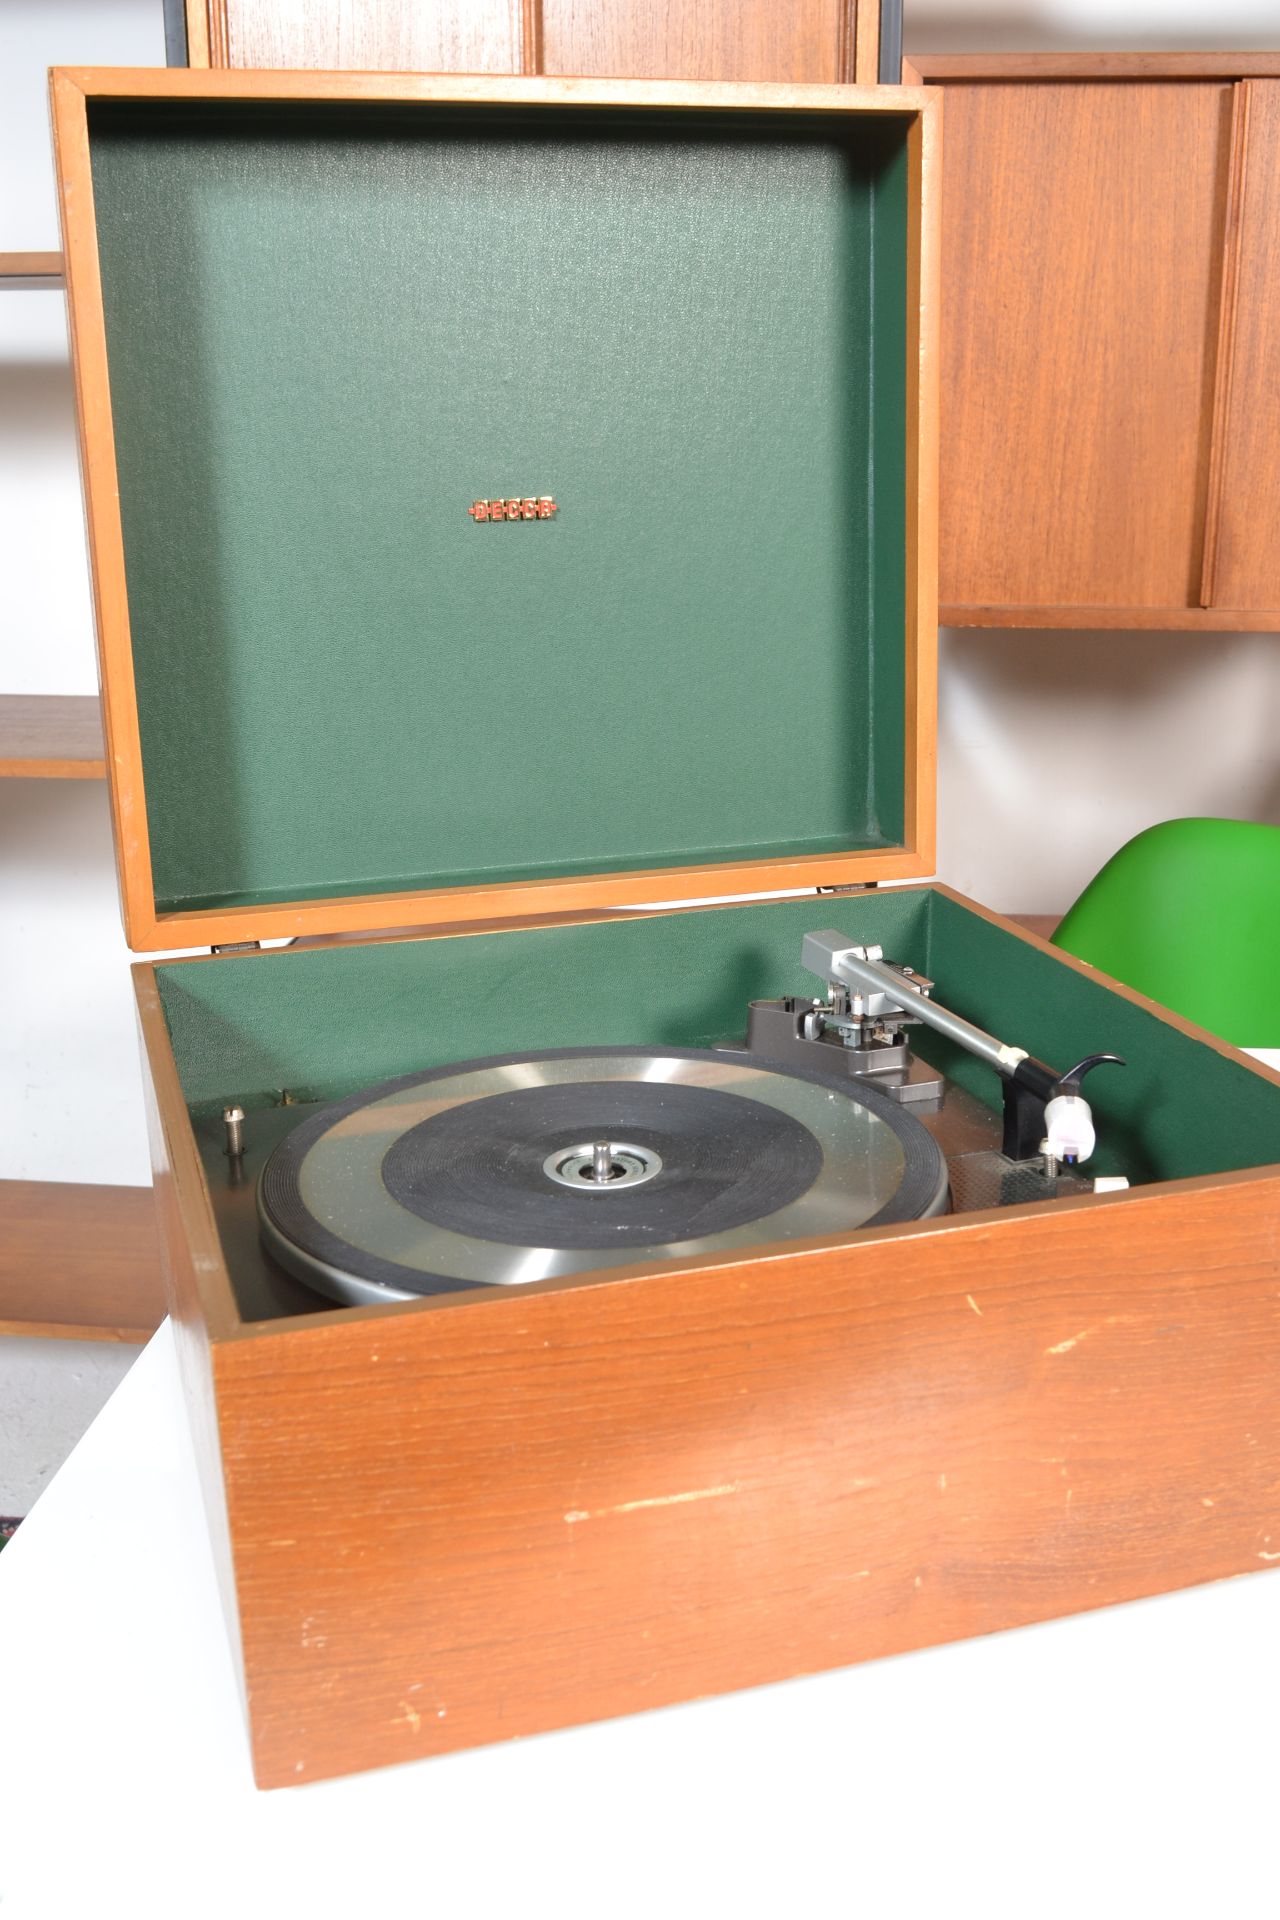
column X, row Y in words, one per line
column 813, row 40
column 1082, row 242
column 79, row 1262
column 1242, row 565
column 561, row 1518
column 1164, row 254
column 148, row 930
column 809, row 40
column 403, row 36
column 51, row 737
column 582, row 1499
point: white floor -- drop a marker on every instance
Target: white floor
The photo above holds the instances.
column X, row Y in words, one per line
column 50, row 1391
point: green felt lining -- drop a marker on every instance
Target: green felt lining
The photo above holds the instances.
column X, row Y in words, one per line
column 318, row 1023
column 329, row 329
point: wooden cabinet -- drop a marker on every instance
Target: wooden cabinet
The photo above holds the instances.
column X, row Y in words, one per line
column 808, row 40
column 1242, row 549
column 1110, row 360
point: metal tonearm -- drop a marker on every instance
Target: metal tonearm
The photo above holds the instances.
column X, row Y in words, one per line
column 877, row 991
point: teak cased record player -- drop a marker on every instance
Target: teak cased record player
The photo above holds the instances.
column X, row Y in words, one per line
column 678, row 342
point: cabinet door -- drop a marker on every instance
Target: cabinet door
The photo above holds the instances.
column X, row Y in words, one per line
column 1081, row 272
column 1242, row 559
column 715, row 40
column 406, row 36
column 805, row 40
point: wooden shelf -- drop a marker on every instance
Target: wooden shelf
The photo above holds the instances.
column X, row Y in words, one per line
column 51, row 737
column 79, row 1263
column 30, row 271
column 1149, row 65
column 1121, row 619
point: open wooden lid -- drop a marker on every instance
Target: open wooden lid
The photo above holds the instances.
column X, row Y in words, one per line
column 316, row 318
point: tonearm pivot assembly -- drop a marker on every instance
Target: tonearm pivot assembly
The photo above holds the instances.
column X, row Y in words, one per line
column 871, row 1004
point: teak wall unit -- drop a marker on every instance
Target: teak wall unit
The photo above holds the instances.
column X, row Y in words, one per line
column 813, row 41
column 1110, row 433
column 76, row 1262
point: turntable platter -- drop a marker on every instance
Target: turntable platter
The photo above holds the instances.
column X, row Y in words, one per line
column 525, row 1168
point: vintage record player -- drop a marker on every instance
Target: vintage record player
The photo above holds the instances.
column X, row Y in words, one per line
column 511, row 501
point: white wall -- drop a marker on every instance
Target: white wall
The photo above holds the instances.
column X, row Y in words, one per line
column 1056, row 748
column 69, row 1074
column 1147, row 725
column 1025, row 26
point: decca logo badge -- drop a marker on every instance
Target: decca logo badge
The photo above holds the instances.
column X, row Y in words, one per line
column 540, row 508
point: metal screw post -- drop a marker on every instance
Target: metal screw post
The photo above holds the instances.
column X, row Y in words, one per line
column 233, row 1121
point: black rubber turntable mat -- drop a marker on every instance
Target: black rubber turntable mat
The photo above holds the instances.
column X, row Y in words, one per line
column 479, row 1168
column 441, row 1181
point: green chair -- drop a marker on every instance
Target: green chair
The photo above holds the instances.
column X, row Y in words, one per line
column 1189, row 914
